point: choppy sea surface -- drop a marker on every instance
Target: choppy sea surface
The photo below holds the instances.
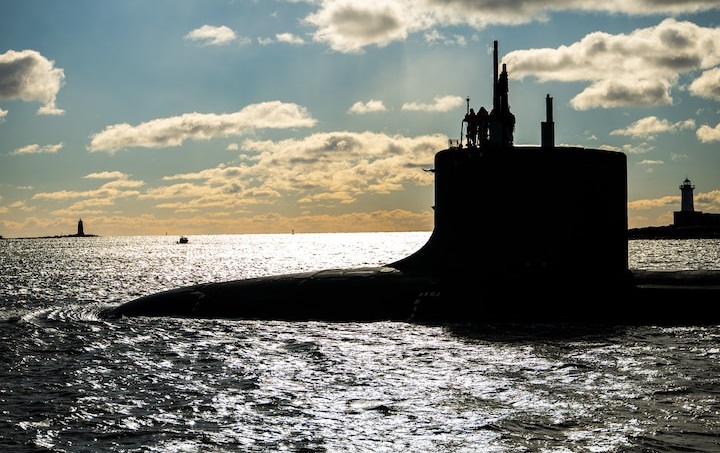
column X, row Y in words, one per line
column 72, row 381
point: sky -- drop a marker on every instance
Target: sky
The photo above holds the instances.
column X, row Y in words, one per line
column 191, row 117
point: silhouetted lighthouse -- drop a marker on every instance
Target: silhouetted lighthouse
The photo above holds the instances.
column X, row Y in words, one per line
column 81, row 230
column 686, row 189
column 687, row 215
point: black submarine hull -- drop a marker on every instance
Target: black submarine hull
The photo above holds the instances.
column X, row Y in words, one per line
column 363, row 294
column 389, row 294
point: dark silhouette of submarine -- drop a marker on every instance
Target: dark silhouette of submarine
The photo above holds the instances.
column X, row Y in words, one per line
column 562, row 258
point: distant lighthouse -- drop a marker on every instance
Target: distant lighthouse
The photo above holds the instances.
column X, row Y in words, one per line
column 687, row 215
column 81, row 230
column 686, row 189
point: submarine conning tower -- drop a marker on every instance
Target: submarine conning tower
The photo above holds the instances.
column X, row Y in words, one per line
column 550, row 214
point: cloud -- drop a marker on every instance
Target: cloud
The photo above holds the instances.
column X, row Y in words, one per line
column 707, row 85
column 211, row 35
column 289, row 38
column 637, row 69
column 708, row 134
column 3, row 115
column 662, row 202
column 174, row 191
column 36, row 149
column 28, row 76
column 623, row 93
column 676, row 156
column 441, row 104
column 106, row 193
column 350, row 26
column 322, row 169
column 651, row 125
column 107, row 175
column 367, row 107
column 166, row 132
column 627, row 148
column 708, row 200
column 21, row 206
column 342, row 163
column 435, row 37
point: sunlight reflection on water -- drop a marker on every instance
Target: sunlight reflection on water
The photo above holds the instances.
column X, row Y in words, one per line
column 121, row 268
column 74, row 382
column 674, row 254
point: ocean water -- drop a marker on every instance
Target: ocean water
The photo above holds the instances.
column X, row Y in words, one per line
column 72, row 381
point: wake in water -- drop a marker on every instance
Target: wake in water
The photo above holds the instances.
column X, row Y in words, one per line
column 76, row 312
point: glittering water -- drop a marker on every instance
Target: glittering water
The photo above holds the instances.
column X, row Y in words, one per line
column 71, row 381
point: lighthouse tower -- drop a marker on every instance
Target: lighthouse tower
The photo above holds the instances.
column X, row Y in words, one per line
column 80, row 229
column 687, row 215
column 686, row 189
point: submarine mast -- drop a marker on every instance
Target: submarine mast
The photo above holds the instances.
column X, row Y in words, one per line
column 547, row 127
column 501, row 121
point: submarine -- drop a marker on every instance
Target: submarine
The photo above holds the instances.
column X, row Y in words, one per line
column 484, row 261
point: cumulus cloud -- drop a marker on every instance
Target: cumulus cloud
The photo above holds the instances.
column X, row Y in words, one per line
column 106, row 195
column 29, row 76
column 350, row 26
column 367, row 107
column 707, row 85
column 708, row 200
column 440, row 104
column 289, row 38
column 343, row 163
column 623, row 93
column 37, row 149
column 109, row 191
column 210, row 35
column 21, row 206
column 637, row 69
column 651, row 125
column 323, row 169
column 107, row 175
column 435, row 37
column 173, row 131
column 641, row 205
column 708, row 134
column 627, row 148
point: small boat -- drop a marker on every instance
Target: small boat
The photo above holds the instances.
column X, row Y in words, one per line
column 182, row 240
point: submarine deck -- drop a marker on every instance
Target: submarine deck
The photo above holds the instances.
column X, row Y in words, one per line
column 385, row 293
